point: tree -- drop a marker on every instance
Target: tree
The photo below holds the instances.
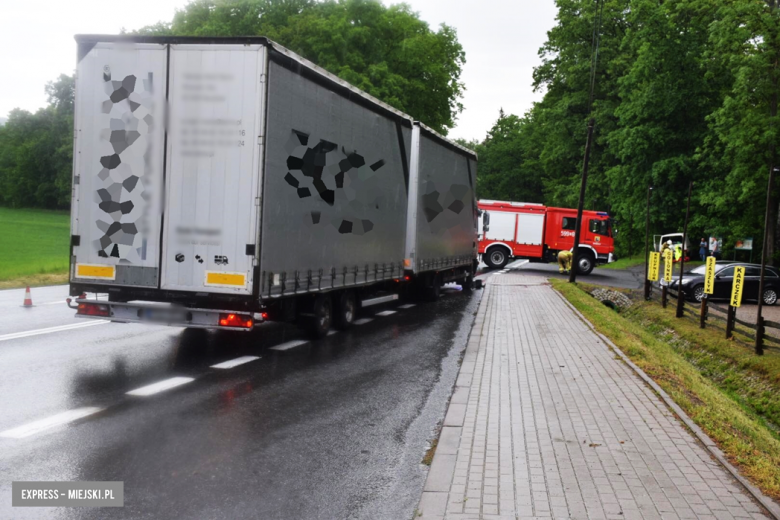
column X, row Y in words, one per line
column 745, row 39
column 36, row 151
column 386, row 51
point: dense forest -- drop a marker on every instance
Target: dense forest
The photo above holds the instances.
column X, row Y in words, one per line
column 685, row 91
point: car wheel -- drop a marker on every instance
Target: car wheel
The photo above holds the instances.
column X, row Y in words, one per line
column 770, row 296
column 698, row 293
column 496, row 258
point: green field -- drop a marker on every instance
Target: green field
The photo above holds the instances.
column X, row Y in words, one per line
column 34, row 244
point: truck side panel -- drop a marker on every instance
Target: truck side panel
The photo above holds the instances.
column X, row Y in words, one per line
column 213, row 170
column 446, row 216
column 118, row 163
column 335, row 195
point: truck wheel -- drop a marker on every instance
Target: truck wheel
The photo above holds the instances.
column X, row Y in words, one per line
column 432, row 293
column 346, row 308
column 496, row 257
column 318, row 323
column 585, row 263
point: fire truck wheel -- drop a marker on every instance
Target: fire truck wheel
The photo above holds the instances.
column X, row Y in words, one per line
column 346, row 308
column 318, row 323
column 496, row 258
column 585, row 263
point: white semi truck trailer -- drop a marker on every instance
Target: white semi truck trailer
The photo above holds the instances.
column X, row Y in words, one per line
column 222, row 182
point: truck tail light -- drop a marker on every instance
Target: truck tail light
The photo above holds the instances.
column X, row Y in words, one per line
column 235, row 320
column 93, row 309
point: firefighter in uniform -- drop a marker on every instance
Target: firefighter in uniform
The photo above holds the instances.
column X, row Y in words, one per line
column 564, row 261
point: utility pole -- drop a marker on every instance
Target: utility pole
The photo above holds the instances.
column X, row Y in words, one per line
column 680, row 297
column 589, row 139
column 647, row 250
column 581, row 203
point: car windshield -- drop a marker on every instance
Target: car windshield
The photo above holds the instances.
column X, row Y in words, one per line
column 702, row 269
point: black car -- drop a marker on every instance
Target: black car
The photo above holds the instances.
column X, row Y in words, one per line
column 693, row 282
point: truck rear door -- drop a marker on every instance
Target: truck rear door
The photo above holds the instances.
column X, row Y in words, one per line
column 118, row 164
column 213, row 163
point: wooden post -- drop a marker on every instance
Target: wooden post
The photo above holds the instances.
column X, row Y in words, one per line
column 730, row 321
column 680, row 292
column 703, row 312
column 760, row 330
column 647, row 250
column 663, row 297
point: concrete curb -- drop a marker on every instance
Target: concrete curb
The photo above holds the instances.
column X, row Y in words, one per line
column 772, row 507
column 433, row 502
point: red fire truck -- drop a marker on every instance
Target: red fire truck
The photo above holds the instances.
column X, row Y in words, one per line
column 521, row 230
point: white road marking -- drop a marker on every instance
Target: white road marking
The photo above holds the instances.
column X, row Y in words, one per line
column 161, row 386
column 363, row 321
column 49, row 330
column 235, row 362
column 290, row 344
column 385, row 313
column 48, row 423
column 407, row 306
column 332, row 332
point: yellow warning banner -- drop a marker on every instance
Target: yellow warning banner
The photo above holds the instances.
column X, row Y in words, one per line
column 709, row 276
column 100, row 272
column 736, row 287
column 654, row 267
column 225, row 279
column 668, row 265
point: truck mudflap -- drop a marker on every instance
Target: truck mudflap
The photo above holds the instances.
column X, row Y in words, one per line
column 162, row 314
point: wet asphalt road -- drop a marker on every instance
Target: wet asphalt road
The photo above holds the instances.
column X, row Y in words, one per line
column 331, row 429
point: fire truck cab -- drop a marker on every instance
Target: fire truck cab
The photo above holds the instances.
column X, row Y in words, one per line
column 521, row 230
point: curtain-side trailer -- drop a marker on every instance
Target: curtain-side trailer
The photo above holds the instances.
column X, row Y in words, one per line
column 222, row 182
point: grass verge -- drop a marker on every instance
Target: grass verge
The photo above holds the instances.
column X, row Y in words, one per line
column 733, row 395
column 34, row 243
column 625, row 263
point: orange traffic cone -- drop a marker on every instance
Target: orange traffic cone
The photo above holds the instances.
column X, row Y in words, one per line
column 27, row 298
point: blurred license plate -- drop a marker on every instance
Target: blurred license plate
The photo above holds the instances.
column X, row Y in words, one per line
column 165, row 315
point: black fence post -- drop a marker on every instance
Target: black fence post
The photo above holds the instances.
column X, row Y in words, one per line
column 680, row 292
column 647, row 250
column 703, row 312
column 760, row 330
column 730, row 316
column 664, row 296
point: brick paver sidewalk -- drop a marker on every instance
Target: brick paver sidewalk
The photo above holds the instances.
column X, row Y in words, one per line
column 546, row 421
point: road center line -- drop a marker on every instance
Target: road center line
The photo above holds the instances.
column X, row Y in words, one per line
column 363, row 321
column 235, row 362
column 49, row 330
column 406, row 306
column 161, row 386
column 50, row 422
column 385, row 313
column 290, row 344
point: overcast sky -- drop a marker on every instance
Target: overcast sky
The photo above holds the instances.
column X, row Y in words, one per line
column 501, row 39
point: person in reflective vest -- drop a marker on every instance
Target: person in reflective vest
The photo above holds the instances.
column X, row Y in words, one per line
column 564, row 261
column 678, row 252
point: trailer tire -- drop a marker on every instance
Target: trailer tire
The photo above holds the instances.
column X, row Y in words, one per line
column 467, row 284
column 346, row 309
column 585, row 263
column 433, row 292
column 496, row 257
column 318, row 324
